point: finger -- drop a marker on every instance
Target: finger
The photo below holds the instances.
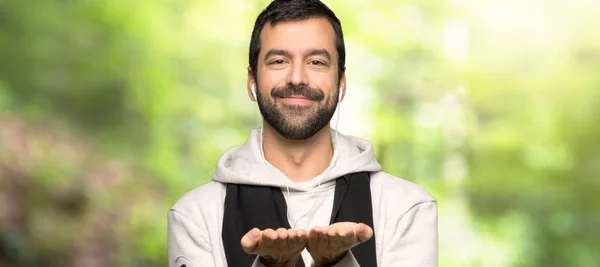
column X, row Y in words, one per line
column 280, row 239
column 332, row 235
column 282, row 233
column 292, row 235
column 250, row 240
column 325, row 230
column 291, row 239
column 343, row 232
column 323, row 239
column 335, row 241
column 268, row 238
column 302, row 236
column 331, row 231
column 314, row 233
column 269, row 234
column 347, row 238
column 363, row 233
column 348, row 241
column 313, row 237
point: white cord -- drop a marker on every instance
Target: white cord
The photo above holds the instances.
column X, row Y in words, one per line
column 331, row 165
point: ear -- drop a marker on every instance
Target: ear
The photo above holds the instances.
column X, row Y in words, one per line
column 342, row 87
column 251, row 83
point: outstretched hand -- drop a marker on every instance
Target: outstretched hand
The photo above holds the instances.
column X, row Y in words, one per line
column 328, row 245
column 275, row 248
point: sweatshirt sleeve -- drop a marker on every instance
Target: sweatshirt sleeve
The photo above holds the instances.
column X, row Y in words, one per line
column 413, row 239
column 347, row 261
column 188, row 244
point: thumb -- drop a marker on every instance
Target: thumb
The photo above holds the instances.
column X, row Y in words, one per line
column 250, row 240
column 363, row 232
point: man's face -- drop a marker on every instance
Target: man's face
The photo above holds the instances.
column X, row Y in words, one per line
column 297, row 77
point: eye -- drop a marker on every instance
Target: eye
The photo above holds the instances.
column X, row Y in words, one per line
column 277, row 62
column 317, row 63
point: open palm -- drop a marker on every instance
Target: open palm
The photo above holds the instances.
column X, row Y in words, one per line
column 281, row 247
column 327, row 245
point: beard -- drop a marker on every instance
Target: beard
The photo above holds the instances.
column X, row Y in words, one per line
column 297, row 122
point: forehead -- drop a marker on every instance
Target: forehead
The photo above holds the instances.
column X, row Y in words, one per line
column 298, row 36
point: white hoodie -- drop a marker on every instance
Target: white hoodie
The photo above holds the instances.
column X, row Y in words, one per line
column 404, row 214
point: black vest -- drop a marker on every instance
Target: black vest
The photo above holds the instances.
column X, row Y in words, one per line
column 249, row 206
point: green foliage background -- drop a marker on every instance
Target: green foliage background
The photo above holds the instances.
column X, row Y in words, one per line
column 110, row 110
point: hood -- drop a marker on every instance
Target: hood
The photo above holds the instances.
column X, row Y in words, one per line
column 245, row 164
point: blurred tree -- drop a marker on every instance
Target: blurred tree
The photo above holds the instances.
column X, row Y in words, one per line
column 113, row 109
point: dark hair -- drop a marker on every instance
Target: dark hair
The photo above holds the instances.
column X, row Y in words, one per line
column 296, row 10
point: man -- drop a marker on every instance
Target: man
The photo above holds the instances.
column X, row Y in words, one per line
column 297, row 193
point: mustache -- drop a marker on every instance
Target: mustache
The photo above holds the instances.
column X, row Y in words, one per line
column 298, row 90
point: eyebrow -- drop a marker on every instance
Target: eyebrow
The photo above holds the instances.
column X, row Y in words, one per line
column 285, row 53
column 319, row 52
column 277, row 52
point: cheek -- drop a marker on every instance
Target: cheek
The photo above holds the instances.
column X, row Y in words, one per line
column 270, row 78
column 326, row 82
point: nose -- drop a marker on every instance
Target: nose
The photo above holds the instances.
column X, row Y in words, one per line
column 297, row 74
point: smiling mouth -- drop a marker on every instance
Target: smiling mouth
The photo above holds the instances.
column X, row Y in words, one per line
column 296, row 100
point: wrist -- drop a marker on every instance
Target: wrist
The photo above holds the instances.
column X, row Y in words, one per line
column 330, row 261
column 271, row 262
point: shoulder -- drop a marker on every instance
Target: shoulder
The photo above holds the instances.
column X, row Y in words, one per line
column 399, row 195
column 200, row 200
column 396, row 186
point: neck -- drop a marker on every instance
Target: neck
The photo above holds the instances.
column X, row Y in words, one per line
column 300, row 160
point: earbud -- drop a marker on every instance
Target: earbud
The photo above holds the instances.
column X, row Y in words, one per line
column 253, row 89
column 340, row 95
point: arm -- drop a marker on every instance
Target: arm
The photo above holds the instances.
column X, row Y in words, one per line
column 413, row 239
column 188, row 244
column 347, row 261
